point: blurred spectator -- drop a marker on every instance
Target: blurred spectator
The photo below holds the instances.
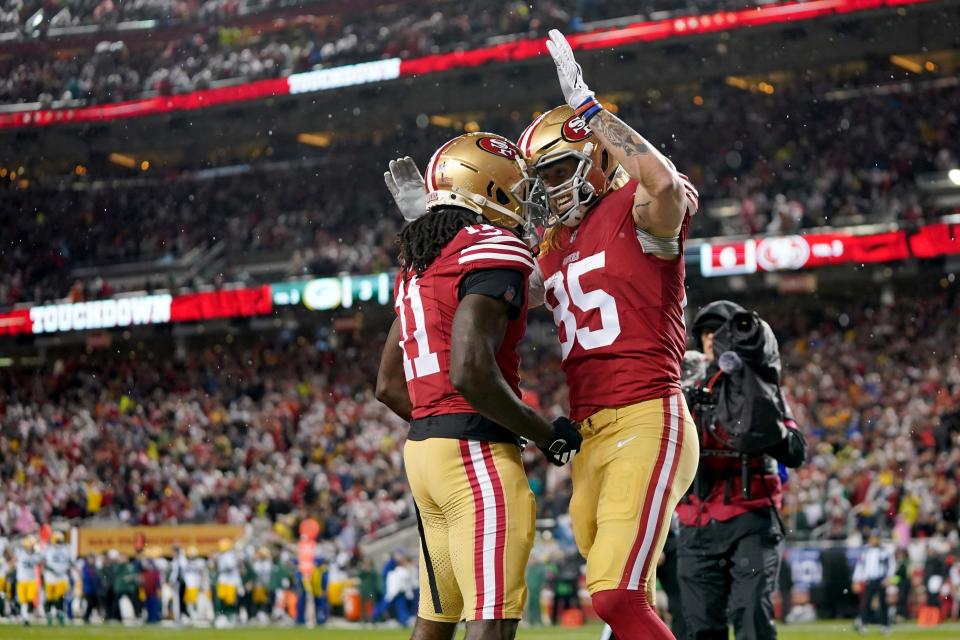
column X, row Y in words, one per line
column 536, row 580
column 565, row 583
column 92, row 588
column 151, row 581
column 400, row 588
column 370, row 591
column 874, row 570
column 902, row 580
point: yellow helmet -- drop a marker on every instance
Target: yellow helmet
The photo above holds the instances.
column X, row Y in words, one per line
column 192, row 552
column 558, row 134
column 56, row 537
column 225, row 544
column 482, row 172
column 29, row 543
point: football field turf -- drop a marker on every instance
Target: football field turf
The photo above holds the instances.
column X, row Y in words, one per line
column 818, row 631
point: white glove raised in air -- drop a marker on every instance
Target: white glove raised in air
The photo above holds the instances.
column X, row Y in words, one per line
column 575, row 90
column 405, row 184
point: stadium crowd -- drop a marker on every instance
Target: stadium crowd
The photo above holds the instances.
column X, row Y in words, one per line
column 282, row 429
column 68, row 13
column 878, row 389
column 224, row 434
column 228, row 433
column 740, row 149
column 117, row 69
column 425, row 25
column 286, row 211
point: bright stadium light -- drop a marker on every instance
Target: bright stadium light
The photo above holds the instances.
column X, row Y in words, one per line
column 954, row 175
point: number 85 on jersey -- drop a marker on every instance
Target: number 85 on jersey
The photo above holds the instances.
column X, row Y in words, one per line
column 571, row 292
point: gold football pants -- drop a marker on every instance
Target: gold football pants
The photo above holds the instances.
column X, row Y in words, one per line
column 477, row 518
column 636, row 463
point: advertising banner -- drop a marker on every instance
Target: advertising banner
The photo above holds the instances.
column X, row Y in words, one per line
column 126, row 539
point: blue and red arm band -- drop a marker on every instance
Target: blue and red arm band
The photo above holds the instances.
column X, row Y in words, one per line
column 589, row 108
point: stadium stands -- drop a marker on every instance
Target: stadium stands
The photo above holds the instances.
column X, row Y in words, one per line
column 878, row 389
column 436, row 24
column 859, row 164
column 216, row 434
column 121, row 66
column 226, row 431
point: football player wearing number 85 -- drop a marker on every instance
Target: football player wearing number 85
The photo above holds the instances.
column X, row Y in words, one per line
column 611, row 271
column 450, row 367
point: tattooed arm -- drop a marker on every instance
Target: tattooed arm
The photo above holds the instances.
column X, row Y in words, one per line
column 660, row 201
column 663, row 195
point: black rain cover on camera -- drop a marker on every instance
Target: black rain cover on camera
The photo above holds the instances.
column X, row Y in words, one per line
column 750, row 411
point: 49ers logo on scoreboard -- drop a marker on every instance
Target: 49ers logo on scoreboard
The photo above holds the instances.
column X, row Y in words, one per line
column 784, row 252
column 575, row 129
column 498, row 147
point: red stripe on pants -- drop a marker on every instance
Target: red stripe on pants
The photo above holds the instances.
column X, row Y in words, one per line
column 670, row 478
column 478, row 524
column 499, row 553
column 648, row 499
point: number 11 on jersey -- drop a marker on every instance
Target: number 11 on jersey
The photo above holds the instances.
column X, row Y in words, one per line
column 426, row 362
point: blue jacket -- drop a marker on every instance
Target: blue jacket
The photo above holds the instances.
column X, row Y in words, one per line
column 91, row 578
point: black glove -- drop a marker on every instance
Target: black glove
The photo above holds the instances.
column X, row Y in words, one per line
column 564, row 443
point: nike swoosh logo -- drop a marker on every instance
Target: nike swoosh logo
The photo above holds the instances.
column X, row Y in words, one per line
column 624, row 442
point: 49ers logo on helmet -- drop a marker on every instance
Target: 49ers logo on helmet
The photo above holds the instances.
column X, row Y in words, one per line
column 498, row 147
column 575, row 129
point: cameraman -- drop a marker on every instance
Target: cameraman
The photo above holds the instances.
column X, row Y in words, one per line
column 730, row 530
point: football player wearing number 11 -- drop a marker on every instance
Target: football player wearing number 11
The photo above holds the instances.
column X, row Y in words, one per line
column 611, row 264
column 451, row 367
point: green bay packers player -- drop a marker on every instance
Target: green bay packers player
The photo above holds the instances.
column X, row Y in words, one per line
column 229, row 581
column 196, row 581
column 451, row 367
column 56, row 576
column 28, row 563
column 5, row 581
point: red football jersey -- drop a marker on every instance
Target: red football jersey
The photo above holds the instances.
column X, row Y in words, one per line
column 618, row 310
column 426, row 306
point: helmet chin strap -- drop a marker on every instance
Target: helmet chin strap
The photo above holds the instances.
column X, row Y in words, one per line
column 584, row 200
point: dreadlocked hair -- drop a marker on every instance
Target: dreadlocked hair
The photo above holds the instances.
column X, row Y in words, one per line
column 422, row 240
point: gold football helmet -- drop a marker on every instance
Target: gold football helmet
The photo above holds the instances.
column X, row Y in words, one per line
column 559, row 134
column 482, row 172
column 56, row 537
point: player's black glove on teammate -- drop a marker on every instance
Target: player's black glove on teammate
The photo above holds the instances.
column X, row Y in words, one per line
column 565, row 442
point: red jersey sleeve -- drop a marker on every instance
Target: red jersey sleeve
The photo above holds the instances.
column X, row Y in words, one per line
column 487, row 247
column 693, row 196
